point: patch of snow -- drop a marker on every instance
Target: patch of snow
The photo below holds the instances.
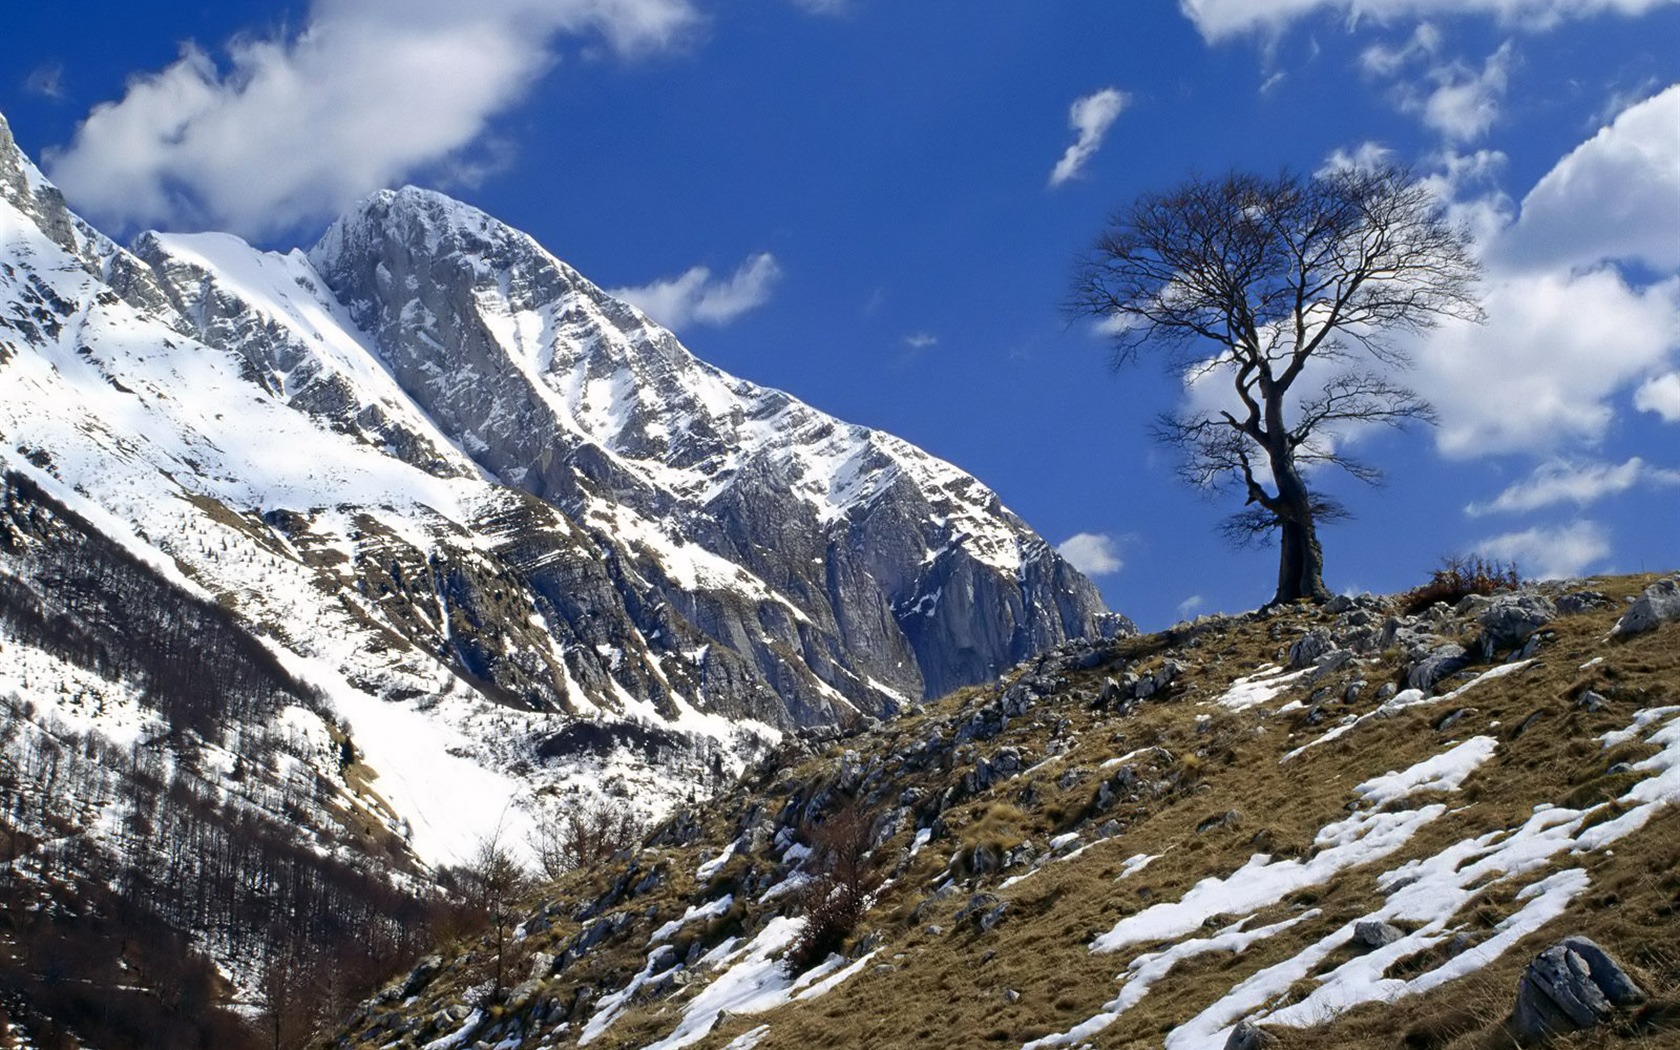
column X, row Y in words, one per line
column 1262, row 687
column 749, row 1039
column 709, row 910
column 706, row 870
column 1145, row 970
column 754, row 982
column 1444, row 772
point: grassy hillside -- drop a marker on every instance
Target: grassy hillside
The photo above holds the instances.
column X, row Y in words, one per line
column 1142, row 844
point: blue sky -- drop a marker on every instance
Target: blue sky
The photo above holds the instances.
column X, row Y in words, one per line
column 875, row 205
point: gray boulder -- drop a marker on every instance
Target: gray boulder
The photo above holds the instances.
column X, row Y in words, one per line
column 1373, row 934
column 1443, row 660
column 1571, row 986
column 1309, row 647
column 1659, row 604
column 1248, row 1036
column 1577, row 602
column 1509, row 619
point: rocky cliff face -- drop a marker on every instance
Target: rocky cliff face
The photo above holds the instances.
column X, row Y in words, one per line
column 887, row 573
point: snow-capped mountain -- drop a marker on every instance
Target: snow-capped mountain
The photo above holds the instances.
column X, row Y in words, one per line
column 476, row 503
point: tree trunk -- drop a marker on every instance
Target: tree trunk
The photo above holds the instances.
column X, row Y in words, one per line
column 1300, row 564
column 1300, row 558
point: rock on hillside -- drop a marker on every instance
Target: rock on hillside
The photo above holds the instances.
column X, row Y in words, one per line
column 1187, row 836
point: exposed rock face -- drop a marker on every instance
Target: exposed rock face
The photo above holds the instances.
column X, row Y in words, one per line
column 1373, row 934
column 889, row 574
column 1248, row 1036
column 1443, row 660
column 1571, row 986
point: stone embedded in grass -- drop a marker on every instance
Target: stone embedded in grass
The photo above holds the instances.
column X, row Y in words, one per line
column 1510, row 619
column 1248, row 1036
column 1309, row 647
column 1577, row 602
column 1571, row 986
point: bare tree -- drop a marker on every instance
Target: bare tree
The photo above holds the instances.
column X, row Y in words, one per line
column 491, row 884
column 1265, row 281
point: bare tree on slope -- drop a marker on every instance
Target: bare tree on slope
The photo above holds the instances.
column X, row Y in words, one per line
column 1292, row 288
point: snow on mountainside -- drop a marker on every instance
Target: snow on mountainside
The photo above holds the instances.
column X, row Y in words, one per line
column 475, row 503
column 907, row 577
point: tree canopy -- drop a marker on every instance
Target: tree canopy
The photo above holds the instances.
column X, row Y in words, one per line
column 1293, row 288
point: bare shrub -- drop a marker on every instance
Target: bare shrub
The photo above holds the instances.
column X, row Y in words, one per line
column 1457, row 578
column 586, row 837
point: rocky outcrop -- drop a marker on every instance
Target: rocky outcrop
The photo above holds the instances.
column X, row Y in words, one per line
column 1509, row 620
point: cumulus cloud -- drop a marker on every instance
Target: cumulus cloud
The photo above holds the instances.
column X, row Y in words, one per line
column 1541, row 373
column 1570, row 327
column 1550, row 553
column 1221, row 19
column 1091, row 117
column 697, row 296
column 1092, row 553
column 1617, row 195
column 1582, row 484
column 1448, row 95
column 293, row 129
column 1462, row 103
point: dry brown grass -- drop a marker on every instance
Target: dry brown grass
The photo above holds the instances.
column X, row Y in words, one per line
column 935, row 982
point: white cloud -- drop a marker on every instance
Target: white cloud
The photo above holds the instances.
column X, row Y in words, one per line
column 1616, row 196
column 1541, row 373
column 1568, row 331
column 1092, row 553
column 1660, row 395
column 1091, row 117
column 1582, row 484
column 1221, row 19
column 1188, row 606
column 1468, row 185
column 921, row 341
column 1380, row 60
column 823, row 7
column 1366, row 156
column 1550, row 553
column 1450, row 97
column 1463, row 104
column 699, row 297
column 294, row 129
